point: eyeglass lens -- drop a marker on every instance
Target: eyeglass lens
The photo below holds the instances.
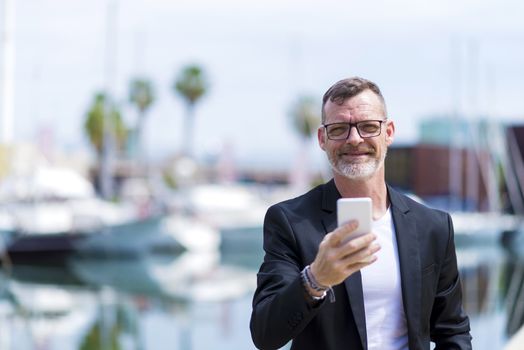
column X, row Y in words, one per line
column 340, row 131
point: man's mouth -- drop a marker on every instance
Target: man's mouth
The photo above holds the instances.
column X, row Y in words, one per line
column 355, row 153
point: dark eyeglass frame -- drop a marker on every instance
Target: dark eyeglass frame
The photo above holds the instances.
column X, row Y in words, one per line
column 356, row 125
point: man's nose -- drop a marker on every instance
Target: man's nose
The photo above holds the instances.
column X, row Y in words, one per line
column 354, row 137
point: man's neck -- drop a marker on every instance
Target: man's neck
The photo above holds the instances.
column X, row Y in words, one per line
column 374, row 188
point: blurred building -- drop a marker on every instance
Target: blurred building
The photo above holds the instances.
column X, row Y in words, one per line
column 460, row 164
column 426, row 171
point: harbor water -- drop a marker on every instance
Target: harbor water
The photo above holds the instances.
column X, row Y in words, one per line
column 199, row 301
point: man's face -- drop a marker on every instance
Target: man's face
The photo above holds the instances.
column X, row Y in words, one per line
column 357, row 158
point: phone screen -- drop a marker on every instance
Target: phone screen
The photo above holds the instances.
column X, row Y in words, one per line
column 355, row 209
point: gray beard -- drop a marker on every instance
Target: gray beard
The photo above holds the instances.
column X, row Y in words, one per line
column 356, row 171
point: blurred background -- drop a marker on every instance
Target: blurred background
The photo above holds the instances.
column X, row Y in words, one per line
column 142, row 141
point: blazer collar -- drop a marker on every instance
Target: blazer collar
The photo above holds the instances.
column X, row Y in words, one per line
column 408, row 246
column 397, row 200
column 330, row 195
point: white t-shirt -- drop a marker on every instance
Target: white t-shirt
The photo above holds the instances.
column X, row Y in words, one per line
column 385, row 320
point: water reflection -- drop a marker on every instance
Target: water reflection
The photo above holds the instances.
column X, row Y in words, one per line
column 157, row 301
column 492, row 282
column 201, row 300
column 513, row 290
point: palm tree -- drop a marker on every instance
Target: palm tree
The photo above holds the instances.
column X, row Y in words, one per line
column 305, row 118
column 141, row 94
column 99, row 118
column 191, row 84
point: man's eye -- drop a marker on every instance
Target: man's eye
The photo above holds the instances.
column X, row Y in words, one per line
column 368, row 127
column 338, row 130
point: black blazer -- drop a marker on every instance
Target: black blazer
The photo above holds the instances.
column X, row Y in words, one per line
column 431, row 289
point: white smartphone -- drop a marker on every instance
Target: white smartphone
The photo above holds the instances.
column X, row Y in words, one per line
column 355, row 209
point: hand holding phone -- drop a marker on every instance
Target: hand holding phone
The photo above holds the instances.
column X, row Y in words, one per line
column 331, row 269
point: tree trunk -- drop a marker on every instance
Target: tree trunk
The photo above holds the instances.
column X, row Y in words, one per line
column 188, row 131
column 139, row 145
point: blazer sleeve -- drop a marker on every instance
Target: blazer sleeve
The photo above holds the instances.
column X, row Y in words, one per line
column 280, row 308
column 449, row 324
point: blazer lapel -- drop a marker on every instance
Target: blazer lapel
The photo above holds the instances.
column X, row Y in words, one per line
column 356, row 299
column 353, row 283
column 409, row 260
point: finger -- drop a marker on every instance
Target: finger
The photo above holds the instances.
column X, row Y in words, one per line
column 357, row 243
column 363, row 246
column 342, row 232
column 361, row 254
column 368, row 260
column 354, row 267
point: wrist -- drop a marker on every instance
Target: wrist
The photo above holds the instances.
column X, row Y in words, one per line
column 312, row 294
column 314, row 291
column 313, row 280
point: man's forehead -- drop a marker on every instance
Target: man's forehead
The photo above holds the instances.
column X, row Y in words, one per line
column 365, row 101
column 355, row 107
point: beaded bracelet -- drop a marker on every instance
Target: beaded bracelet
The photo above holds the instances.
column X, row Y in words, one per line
column 306, row 284
column 309, row 281
column 313, row 282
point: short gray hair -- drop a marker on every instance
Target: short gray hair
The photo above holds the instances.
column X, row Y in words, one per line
column 347, row 88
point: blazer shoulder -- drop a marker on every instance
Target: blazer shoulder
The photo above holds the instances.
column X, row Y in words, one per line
column 421, row 210
column 301, row 204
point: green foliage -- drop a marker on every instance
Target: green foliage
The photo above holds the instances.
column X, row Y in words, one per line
column 100, row 116
column 105, row 334
column 93, row 339
column 141, row 94
column 305, row 116
column 169, row 180
column 191, row 84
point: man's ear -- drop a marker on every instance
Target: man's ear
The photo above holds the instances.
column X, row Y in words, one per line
column 321, row 136
column 390, row 132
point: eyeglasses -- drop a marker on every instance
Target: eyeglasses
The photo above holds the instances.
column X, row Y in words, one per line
column 365, row 128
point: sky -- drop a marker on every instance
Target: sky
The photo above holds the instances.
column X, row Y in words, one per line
column 429, row 58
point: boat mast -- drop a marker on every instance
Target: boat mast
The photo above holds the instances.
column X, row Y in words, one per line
column 107, row 163
column 7, row 72
column 472, row 123
column 455, row 151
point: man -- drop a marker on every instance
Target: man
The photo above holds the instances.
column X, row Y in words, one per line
column 396, row 287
